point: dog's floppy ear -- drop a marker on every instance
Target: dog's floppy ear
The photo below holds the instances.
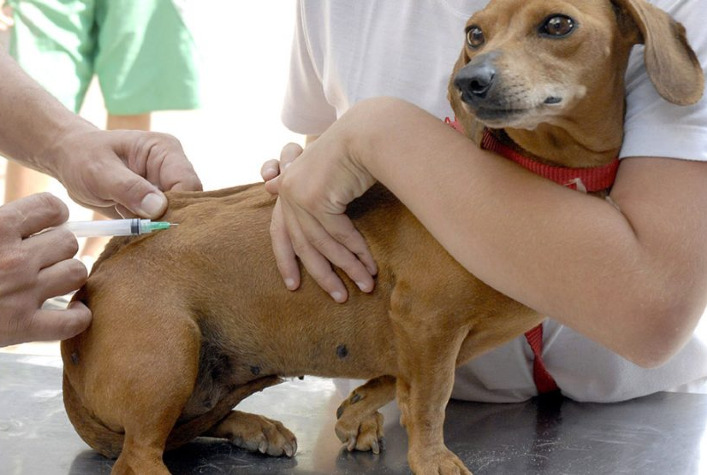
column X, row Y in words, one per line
column 670, row 61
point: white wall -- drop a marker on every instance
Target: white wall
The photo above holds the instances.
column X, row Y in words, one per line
column 245, row 50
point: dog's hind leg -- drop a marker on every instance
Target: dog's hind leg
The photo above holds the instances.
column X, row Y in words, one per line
column 255, row 433
column 359, row 424
column 148, row 399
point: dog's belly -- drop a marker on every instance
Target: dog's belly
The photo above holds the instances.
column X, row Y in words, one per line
column 349, row 341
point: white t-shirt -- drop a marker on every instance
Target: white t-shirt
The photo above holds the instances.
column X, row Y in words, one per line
column 348, row 50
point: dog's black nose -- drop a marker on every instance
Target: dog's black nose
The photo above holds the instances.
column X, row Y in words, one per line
column 476, row 79
column 475, row 82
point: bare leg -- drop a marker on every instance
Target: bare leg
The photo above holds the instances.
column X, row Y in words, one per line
column 21, row 181
column 129, row 122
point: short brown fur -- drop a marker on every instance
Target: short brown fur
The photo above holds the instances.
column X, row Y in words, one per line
column 188, row 322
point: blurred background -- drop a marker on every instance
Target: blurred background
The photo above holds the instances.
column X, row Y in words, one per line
column 244, row 57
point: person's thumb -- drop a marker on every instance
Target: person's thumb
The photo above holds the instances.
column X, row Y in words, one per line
column 137, row 195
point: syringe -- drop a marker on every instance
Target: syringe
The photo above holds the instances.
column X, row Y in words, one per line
column 115, row 227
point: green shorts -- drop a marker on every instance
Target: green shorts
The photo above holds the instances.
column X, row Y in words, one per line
column 140, row 50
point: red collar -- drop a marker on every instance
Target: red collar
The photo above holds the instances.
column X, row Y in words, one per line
column 582, row 179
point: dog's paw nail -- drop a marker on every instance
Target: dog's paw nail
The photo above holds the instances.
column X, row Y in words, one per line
column 263, row 447
column 375, row 448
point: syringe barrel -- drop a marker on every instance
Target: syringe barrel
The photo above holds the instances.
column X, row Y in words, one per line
column 112, row 227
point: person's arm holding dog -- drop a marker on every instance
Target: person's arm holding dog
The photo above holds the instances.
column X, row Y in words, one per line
column 101, row 170
column 504, row 225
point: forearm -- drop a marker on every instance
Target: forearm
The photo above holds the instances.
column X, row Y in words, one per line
column 612, row 275
column 32, row 119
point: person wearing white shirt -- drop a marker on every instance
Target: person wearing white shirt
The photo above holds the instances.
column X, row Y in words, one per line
column 348, row 56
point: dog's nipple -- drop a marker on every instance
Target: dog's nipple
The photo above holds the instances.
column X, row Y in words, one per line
column 341, row 351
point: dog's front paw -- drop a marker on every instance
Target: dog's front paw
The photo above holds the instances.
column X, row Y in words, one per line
column 256, row 433
column 364, row 435
column 442, row 462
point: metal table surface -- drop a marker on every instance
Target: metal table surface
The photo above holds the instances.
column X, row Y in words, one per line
column 660, row 434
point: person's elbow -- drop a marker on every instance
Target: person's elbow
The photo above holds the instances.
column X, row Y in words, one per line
column 663, row 323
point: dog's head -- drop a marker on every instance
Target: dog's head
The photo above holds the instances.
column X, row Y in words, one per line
column 558, row 62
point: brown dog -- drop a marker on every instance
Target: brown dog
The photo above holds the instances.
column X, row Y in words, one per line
column 188, row 322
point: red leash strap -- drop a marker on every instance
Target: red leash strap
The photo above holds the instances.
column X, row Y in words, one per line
column 544, row 382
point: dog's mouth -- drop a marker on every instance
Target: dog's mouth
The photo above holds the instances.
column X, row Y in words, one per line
column 496, row 114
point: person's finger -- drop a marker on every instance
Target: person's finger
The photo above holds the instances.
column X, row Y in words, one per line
column 52, row 246
column 272, row 186
column 317, row 265
column 282, row 247
column 34, row 213
column 326, row 240
column 318, row 251
column 49, row 325
column 270, row 170
column 177, row 175
column 139, row 196
column 61, row 278
column 357, row 261
column 289, row 154
column 161, row 160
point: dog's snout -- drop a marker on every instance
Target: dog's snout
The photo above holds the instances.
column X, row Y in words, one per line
column 476, row 79
column 476, row 82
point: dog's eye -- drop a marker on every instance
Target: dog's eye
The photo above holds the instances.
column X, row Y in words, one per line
column 557, row 26
column 474, row 36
